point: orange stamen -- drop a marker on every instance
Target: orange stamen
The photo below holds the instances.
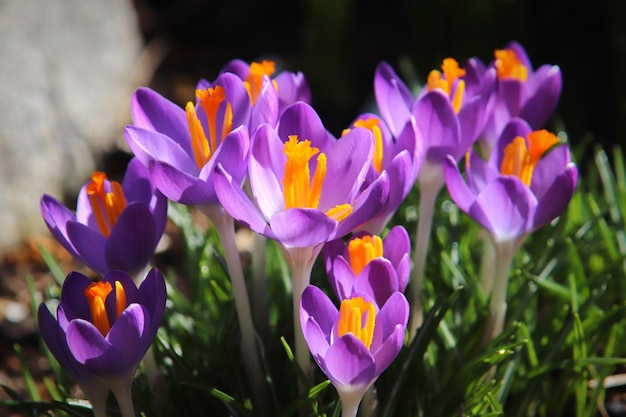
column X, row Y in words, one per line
column 452, row 72
column 120, row 299
column 210, row 100
column 298, row 190
column 508, row 65
column 254, row 80
column 358, row 317
column 521, row 161
column 106, row 206
column 363, row 250
column 371, row 124
column 339, row 212
column 96, row 294
column 199, row 143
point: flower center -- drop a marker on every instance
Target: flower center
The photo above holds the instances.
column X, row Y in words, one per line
column 508, row 65
column 300, row 191
column 107, row 201
column 358, row 317
column 254, row 80
column 451, row 73
column 371, row 124
column 363, row 250
column 521, row 161
column 210, row 101
column 96, row 294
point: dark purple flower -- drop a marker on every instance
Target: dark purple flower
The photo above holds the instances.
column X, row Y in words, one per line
column 355, row 344
column 368, row 264
column 528, row 181
column 181, row 148
column 522, row 91
column 115, row 226
column 102, row 329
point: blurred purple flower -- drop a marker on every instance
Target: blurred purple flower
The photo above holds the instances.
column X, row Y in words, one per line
column 181, row 148
column 115, row 226
column 522, row 92
column 528, row 181
column 354, row 345
column 102, row 329
column 368, row 264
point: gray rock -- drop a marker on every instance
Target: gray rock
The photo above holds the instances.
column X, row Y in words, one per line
column 67, row 72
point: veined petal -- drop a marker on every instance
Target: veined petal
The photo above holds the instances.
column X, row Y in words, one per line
column 56, row 216
column 153, row 112
column 548, row 168
column 393, row 97
column 152, row 295
column 73, row 300
column 556, row 198
column 315, row 303
column 292, row 88
column 461, row 194
column 349, row 362
column 366, row 205
column 439, row 125
column 540, row 105
column 267, row 168
column 303, row 227
column 378, row 279
column 266, row 108
column 88, row 243
column 301, row 119
column 179, row 186
column 341, row 278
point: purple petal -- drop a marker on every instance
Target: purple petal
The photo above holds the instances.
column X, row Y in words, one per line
column 460, row 193
column 393, row 97
column 342, row 278
column 152, row 295
column 267, row 167
column 557, row 197
column 378, row 279
column 90, row 245
column 316, row 304
column 153, row 112
column 265, row 109
column 292, row 88
column 397, row 248
column 148, row 146
column 238, row 67
column 390, row 328
column 132, row 241
column 472, row 122
column 551, row 164
column 237, row 203
column 302, row 227
column 56, row 216
column 366, row 206
column 439, row 125
column 514, row 128
column 232, row 154
column 73, row 300
column 349, row 362
column 237, row 96
column 301, row 119
column 179, row 186
column 540, row 105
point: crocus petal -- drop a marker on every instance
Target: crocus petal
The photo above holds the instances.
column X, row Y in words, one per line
column 439, row 125
column 349, row 362
column 557, row 197
column 302, row 227
column 54, row 337
column 479, row 172
column 232, row 154
column 179, row 186
column 503, row 208
column 341, row 278
column 472, row 122
column 152, row 294
column 238, row 205
column 56, row 216
column 301, row 119
column 148, row 146
column 73, row 299
column 132, row 241
column 548, row 168
column 366, row 206
column 378, row 279
column 88, row 243
column 514, row 128
column 397, row 248
column 292, row 88
column 315, row 303
column 266, row 167
column 265, row 109
column 540, row 105
column 393, row 97
column 238, row 67
column 153, row 112
column 390, row 327
column 461, row 194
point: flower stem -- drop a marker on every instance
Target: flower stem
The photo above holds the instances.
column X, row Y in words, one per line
column 505, row 251
column 124, row 397
column 97, row 395
column 259, row 293
column 428, row 197
column 225, row 226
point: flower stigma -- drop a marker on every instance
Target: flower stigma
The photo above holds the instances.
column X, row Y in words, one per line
column 210, row 101
column 254, row 80
column 371, row 124
column 451, row 73
column 521, row 161
column 96, row 294
column 300, row 190
column 358, row 317
column 508, row 65
column 363, row 250
column 107, row 201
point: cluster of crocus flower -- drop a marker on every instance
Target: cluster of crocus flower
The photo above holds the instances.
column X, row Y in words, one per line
column 308, row 190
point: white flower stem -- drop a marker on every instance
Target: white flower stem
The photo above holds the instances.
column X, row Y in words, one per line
column 259, row 293
column 487, row 262
column 505, row 251
column 225, row 226
column 428, row 198
column 97, row 395
column 124, row 397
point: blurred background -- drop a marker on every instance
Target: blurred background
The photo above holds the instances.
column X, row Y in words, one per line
column 169, row 44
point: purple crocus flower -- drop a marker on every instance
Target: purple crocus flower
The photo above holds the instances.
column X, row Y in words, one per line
column 528, row 181
column 400, row 157
column 291, row 87
column 115, row 226
column 368, row 264
column 308, row 189
column 354, row 345
column 182, row 147
column 103, row 329
column 522, row 91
